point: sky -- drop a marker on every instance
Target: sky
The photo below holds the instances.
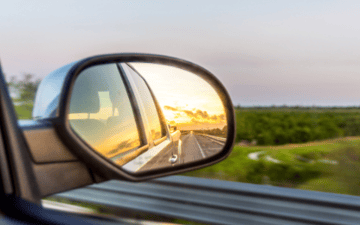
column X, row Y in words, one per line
column 187, row 101
column 264, row 52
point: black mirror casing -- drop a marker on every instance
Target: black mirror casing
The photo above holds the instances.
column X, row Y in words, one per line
column 99, row 164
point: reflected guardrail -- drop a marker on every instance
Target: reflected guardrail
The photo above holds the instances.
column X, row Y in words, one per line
column 215, row 137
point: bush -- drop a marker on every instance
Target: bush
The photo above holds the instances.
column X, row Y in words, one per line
column 290, row 125
column 280, row 173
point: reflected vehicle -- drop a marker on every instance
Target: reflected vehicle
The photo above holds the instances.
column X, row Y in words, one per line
column 145, row 116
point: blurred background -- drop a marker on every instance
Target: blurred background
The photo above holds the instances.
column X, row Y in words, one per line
column 291, row 67
column 265, row 52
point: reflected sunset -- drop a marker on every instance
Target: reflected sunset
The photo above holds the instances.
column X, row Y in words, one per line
column 188, row 102
column 123, row 123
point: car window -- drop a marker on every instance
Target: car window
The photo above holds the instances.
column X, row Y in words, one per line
column 149, row 105
column 301, row 57
column 303, row 147
column 101, row 112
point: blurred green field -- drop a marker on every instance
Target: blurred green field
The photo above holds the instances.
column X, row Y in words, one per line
column 301, row 166
column 23, row 112
column 283, row 125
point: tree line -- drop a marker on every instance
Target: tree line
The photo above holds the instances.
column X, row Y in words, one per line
column 24, row 87
column 282, row 126
column 275, row 125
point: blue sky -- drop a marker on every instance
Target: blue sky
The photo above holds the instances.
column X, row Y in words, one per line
column 265, row 52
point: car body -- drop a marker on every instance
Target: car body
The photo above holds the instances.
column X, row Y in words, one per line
column 40, row 159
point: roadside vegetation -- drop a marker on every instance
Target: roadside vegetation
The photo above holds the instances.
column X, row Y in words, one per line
column 24, row 111
column 283, row 125
column 23, row 92
column 309, row 148
column 296, row 147
column 330, row 166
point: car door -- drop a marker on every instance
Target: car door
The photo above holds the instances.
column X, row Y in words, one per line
column 36, row 160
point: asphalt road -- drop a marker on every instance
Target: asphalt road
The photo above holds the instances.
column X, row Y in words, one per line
column 192, row 148
column 196, row 147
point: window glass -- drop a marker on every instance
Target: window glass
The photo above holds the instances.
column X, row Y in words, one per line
column 149, row 105
column 101, row 112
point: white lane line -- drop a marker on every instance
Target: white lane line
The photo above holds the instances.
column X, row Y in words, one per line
column 202, row 153
column 179, row 147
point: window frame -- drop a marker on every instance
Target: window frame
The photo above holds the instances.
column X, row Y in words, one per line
column 144, row 117
column 137, row 116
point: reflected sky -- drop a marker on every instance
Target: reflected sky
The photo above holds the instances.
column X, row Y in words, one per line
column 148, row 103
column 187, row 100
column 95, row 114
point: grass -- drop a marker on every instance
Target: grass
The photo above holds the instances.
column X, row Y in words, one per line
column 341, row 178
column 291, row 172
column 24, row 112
column 234, row 168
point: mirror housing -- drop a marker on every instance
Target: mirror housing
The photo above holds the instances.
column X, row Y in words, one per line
column 53, row 99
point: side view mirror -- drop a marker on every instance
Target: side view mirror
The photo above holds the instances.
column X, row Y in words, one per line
column 138, row 116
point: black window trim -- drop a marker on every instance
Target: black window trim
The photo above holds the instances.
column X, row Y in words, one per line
column 164, row 132
column 135, row 107
column 143, row 142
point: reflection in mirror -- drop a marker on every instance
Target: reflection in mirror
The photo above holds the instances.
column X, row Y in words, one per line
column 101, row 113
column 178, row 120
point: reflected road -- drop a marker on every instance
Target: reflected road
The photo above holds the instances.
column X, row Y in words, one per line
column 193, row 147
column 196, row 147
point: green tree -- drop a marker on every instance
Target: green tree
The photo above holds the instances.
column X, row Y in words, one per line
column 25, row 87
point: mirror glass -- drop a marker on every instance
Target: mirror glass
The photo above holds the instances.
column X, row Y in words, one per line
column 145, row 116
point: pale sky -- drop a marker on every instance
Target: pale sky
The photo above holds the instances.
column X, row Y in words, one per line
column 264, row 52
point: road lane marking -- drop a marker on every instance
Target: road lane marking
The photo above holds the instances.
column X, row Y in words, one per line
column 179, row 148
column 202, row 153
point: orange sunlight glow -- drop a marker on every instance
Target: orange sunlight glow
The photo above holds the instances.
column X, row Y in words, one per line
column 186, row 99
